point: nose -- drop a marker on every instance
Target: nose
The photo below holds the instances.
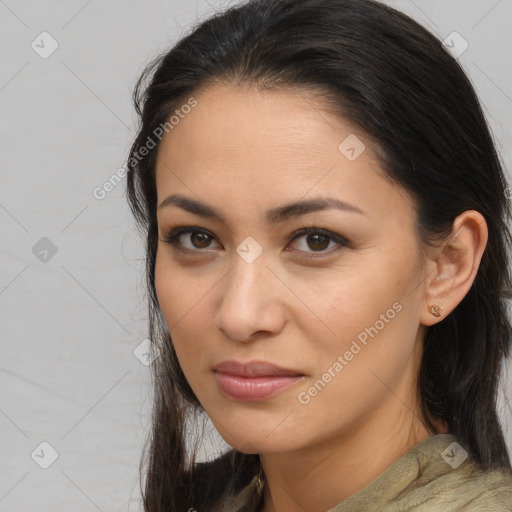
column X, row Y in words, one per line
column 252, row 301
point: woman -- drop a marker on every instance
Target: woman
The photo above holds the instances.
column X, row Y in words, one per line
column 327, row 265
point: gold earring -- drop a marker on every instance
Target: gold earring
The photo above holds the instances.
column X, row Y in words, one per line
column 259, row 483
column 435, row 310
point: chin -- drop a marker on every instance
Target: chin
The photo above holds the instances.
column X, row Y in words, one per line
column 259, row 441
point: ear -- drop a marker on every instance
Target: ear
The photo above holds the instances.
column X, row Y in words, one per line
column 454, row 266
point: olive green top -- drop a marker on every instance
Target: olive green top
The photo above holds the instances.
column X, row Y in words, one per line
column 435, row 475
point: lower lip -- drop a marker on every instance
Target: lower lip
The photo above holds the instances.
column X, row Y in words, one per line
column 252, row 389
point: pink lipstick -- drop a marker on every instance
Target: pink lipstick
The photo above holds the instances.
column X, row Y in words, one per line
column 253, row 381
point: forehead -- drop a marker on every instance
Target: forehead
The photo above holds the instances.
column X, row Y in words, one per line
column 238, row 122
column 253, row 144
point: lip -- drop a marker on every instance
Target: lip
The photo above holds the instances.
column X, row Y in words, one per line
column 254, row 380
column 254, row 369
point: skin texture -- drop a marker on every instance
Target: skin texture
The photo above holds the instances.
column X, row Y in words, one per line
column 301, row 304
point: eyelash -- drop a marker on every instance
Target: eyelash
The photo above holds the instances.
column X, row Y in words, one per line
column 173, row 235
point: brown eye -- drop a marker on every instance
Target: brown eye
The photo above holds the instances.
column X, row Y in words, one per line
column 318, row 242
column 200, row 240
column 188, row 238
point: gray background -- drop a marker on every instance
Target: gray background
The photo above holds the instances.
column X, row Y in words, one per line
column 70, row 321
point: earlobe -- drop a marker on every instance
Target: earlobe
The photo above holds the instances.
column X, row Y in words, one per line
column 455, row 267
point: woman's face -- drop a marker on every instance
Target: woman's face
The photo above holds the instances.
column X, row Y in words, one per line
column 335, row 308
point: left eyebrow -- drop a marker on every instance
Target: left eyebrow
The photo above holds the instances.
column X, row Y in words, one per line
column 274, row 215
column 303, row 207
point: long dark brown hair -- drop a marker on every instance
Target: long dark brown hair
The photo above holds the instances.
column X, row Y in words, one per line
column 395, row 81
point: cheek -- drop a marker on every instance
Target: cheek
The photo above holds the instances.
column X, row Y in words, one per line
column 370, row 352
column 183, row 299
column 350, row 301
column 371, row 312
column 179, row 290
column 176, row 299
column 167, row 284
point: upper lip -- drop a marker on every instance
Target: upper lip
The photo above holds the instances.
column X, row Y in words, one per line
column 254, row 369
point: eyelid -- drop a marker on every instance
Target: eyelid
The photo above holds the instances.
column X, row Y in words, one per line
column 175, row 232
column 336, row 238
column 322, row 231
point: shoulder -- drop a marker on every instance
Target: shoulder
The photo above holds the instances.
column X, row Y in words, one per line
column 469, row 491
column 472, row 490
column 437, row 474
column 448, row 479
